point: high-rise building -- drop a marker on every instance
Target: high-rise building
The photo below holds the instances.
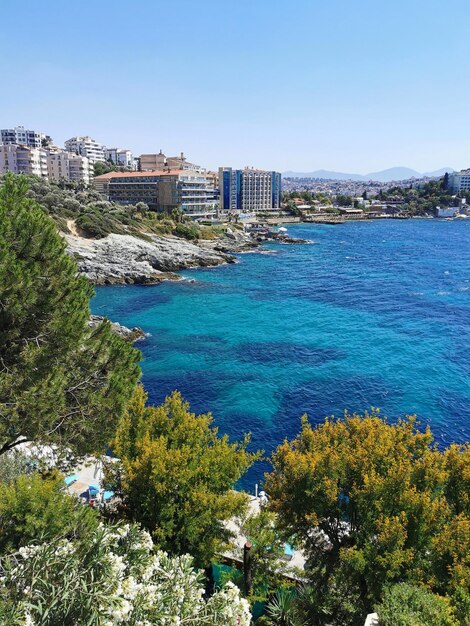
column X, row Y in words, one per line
column 68, row 165
column 21, row 159
column 120, row 156
column 249, row 189
column 21, row 136
column 89, row 148
column 188, row 190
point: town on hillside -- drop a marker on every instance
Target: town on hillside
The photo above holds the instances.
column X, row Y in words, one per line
column 253, row 197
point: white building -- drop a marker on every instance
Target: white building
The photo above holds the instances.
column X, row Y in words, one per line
column 21, row 136
column 68, row 165
column 120, row 156
column 89, row 148
column 459, row 180
column 21, row 159
column 446, row 211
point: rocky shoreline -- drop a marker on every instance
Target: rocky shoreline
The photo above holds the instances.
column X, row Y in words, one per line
column 151, row 259
column 125, row 259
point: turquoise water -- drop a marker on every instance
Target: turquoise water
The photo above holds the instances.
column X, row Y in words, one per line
column 375, row 314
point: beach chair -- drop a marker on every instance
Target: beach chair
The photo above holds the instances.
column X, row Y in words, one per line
column 69, row 480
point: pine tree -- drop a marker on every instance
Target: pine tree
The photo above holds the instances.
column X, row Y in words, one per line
column 61, row 382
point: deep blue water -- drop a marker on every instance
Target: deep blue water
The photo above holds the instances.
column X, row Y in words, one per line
column 376, row 314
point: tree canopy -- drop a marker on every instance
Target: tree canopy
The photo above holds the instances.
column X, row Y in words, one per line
column 178, row 475
column 407, row 605
column 35, row 509
column 61, row 382
column 374, row 503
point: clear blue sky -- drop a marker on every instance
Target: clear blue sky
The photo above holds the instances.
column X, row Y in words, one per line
column 351, row 85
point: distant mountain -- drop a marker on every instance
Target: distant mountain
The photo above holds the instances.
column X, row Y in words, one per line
column 323, row 174
column 440, row 172
column 384, row 176
column 393, row 173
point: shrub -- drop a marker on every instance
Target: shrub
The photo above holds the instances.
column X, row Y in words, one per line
column 409, row 605
column 113, row 577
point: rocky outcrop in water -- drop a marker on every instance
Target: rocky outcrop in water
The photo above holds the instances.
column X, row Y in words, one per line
column 129, row 334
column 124, row 259
column 235, row 240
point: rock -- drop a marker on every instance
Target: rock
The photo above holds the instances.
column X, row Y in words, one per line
column 129, row 334
column 234, row 240
column 119, row 259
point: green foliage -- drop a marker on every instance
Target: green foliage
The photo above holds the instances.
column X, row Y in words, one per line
column 307, row 605
column 267, row 564
column 344, row 200
column 33, row 508
column 61, row 382
column 15, row 463
column 373, row 504
column 103, row 168
column 409, row 605
column 420, row 201
column 178, row 475
column 280, row 610
column 186, row 231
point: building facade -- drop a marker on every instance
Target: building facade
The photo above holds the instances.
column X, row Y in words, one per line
column 21, row 159
column 249, row 190
column 190, row 191
column 153, row 162
column 120, row 156
column 21, row 136
column 459, row 181
column 87, row 147
column 68, row 165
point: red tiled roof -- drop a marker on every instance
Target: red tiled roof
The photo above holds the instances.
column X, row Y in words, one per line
column 174, row 172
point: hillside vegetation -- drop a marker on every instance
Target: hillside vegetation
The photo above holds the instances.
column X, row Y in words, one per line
column 75, row 209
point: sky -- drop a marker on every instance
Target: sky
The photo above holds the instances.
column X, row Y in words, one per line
column 345, row 85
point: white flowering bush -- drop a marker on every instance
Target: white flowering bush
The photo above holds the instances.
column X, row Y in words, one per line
column 114, row 579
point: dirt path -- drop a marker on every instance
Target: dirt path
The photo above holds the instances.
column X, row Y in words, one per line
column 73, row 228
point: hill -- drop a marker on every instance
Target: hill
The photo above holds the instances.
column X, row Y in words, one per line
column 384, row 176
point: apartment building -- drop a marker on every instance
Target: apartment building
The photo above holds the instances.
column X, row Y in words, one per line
column 87, row 147
column 22, row 136
column 459, row 181
column 153, row 162
column 249, row 190
column 21, row 159
column 120, row 156
column 68, row 165
column 188, row 190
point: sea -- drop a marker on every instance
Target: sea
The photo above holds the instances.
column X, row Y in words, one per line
column 369, row 314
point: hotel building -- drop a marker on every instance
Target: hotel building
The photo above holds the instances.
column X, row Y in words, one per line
column 459, row 181
column 249, row 190
column 163, row 190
